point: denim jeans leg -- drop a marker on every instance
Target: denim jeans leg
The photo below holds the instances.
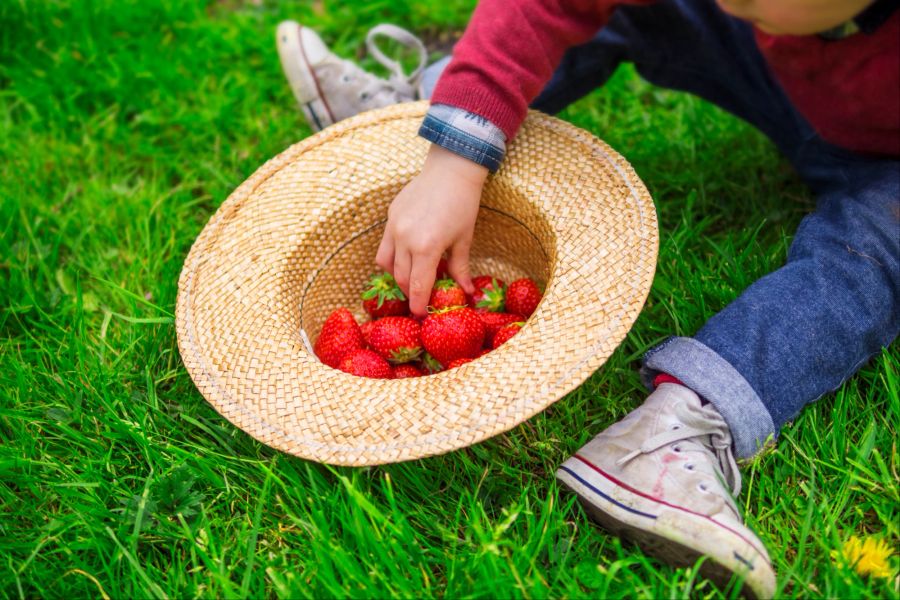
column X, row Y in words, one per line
column 430, row 77
column 801, row 331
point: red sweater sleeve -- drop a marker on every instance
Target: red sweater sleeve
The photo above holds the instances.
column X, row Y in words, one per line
column 510, row 50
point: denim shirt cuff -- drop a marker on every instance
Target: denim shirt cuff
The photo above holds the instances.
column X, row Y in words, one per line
column 466, row 134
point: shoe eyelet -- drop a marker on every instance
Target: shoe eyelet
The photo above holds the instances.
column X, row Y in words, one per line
column 689, row 466
column 676, row 448
column 363, row 96
column 676, row 426
column 703, row 487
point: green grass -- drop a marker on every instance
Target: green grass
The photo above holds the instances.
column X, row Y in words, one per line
column 123, row 125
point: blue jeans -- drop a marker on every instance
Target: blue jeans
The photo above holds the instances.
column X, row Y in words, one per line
column 801, row 331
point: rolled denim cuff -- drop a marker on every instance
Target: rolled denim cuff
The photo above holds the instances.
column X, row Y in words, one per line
column 466, row 134
column 719, row 383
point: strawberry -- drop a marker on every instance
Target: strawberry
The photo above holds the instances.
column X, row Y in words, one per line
column 446, row 293
column 366, row 330
column 483, row 352
column 407, row 370
column 383, row 297
column 366, row 363
column 459, row 361
column 489, row 294
column 494, row 321
column 452, row 333
column 429, row 365
column 339, row 337
column 396, row 339
column 522, row 296
column 505, row 333
column 442, row 270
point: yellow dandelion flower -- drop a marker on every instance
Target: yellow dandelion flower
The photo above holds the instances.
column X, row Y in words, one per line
column 869, row 557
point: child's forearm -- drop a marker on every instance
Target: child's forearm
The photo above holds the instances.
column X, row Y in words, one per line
column 454, row 166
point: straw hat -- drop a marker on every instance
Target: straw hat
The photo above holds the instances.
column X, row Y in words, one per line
column 298, row 239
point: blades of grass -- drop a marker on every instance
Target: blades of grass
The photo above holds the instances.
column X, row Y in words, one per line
column 209, row 431
column 139, row 516
column 254, row 531
column 152, row 586
column 129, row 294
column 143, row 320
column 15, row 574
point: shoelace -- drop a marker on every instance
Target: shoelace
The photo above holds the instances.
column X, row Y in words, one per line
column 398, row 77
column 372, row 89
column 706, row 429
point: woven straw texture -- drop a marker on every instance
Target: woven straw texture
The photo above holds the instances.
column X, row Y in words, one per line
column 298, row 239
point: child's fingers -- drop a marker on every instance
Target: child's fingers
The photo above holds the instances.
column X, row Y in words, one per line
column 458, row 265
column 402, row 264
column 421, row 280
column 384, row 258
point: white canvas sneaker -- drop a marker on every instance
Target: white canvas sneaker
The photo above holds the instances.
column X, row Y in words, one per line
column 658, row 477
column 329, row 88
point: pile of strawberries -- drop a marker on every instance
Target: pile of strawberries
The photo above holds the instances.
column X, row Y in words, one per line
column 458, row 327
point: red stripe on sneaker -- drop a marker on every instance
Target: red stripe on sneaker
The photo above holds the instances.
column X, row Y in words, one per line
column 313, row 73
column 664, row 503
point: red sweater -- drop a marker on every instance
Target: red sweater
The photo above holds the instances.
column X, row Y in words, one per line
column 849, row 89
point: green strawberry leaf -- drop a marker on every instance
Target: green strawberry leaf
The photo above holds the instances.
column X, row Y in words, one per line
column 405, row 354
column 384, row 287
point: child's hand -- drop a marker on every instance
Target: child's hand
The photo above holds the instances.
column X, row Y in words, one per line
column 434, row 213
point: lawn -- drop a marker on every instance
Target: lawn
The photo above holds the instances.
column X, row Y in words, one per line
column 123, row 125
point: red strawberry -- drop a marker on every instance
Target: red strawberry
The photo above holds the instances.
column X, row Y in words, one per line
column 383, row 297
column 489, row 294
column 522, row 296
column 407, row 370
column 459, row 361
column 366, row 329
column 446, row 293
column 429, row 365
column 505, row 333
column 339, row 337
column 441, row 272
column 493, row 322
column 483, row 352
column 452, row 333
column 366, row 363
column 396, row 339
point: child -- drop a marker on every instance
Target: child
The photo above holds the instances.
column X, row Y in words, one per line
column 819, row 77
